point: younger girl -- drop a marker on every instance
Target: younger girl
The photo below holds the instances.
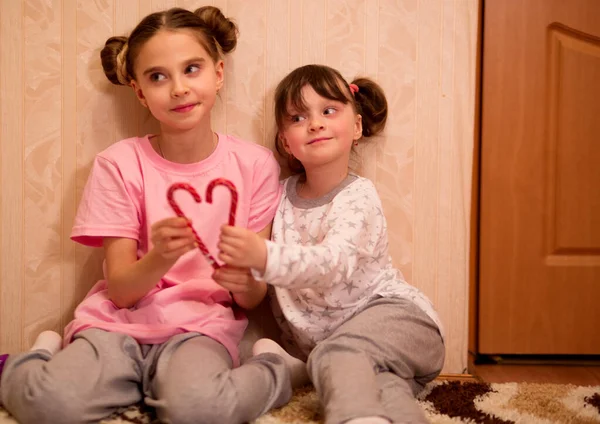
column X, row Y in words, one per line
column 161, row 326
column 372, row 340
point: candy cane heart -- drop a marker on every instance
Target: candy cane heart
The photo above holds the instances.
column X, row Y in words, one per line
column 232, row 190
column 184, row 186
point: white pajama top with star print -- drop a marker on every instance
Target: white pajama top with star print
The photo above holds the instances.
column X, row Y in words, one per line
column 328, row 258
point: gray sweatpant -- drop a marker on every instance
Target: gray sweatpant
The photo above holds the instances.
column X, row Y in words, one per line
column 376, row 362
column 188, row 379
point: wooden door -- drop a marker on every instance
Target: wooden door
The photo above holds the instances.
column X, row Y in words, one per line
column 539, row 269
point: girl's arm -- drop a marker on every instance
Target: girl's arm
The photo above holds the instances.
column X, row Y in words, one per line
column 355, row 240
column 130, row 279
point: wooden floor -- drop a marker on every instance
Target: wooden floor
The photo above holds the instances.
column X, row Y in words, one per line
column 575, row 373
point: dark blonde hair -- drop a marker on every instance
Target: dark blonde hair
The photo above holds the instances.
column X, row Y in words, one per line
column 215, row 32
column 369, row 101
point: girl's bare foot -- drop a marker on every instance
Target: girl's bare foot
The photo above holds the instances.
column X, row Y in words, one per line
column 298, row 373
column 50, row 341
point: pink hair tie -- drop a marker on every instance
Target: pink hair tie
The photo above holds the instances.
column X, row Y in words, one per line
column 353, row 88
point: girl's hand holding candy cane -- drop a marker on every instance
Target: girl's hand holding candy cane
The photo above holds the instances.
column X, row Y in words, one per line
column 243, row 248
column 236, row 280
column 172, row 238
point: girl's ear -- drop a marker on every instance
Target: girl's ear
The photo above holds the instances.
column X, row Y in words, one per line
column 358, row 130
column 284, row 143
column 220, row 71
column 139, row 93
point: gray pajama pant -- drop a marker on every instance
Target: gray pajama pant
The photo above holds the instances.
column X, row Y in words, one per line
column 376, row 362
column 188, row 379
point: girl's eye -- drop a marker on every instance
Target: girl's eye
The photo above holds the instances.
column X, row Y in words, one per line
column 155, row 77
column 329, row 111
column 192, row 68
column 296, row 118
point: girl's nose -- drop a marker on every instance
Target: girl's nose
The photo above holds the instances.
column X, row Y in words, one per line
column 316, row 124
column 179, row 89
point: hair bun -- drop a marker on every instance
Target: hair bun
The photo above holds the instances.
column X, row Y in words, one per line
column 114, row 60
column 223, row 29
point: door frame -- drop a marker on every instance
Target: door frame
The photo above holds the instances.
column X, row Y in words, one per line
column 473, row 304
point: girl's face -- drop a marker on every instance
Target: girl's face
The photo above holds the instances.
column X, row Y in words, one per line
column 177, row 79
column 323, row 133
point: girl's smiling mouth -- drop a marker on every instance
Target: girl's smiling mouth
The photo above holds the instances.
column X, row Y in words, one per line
column 316, row 140
column 184, row 108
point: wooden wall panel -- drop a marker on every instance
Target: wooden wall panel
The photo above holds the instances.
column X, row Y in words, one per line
column 58, row 110
column 42, row 173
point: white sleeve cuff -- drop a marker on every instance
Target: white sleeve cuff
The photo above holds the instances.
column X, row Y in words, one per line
column 273, row 254
column 257, row 275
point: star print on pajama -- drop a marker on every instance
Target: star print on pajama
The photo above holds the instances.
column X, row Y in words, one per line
column 328, row 258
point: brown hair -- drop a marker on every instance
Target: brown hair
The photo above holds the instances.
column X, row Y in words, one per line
column 216, row 33
column 369, row 101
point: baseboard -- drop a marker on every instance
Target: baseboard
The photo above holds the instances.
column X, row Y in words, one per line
column 573, row 360
column 458, row 377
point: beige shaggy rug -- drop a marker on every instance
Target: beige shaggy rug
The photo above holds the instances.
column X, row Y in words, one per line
column 444, row 402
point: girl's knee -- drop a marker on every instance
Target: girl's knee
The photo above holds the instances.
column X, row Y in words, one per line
column 33, row 395
column 192, row 407
column 37, row 405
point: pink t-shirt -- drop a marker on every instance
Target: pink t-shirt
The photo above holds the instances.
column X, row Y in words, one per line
column 126, row 193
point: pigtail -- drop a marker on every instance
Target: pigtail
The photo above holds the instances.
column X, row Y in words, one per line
column 224, row 30
column 371, row 104
column 114, row 60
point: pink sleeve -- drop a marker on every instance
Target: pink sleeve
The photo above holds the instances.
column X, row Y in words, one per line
column 107, row 208
column 266, row 191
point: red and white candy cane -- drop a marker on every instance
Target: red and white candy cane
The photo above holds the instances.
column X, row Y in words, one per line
column 232, row 190
column 184, row 186
column 196, row 196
